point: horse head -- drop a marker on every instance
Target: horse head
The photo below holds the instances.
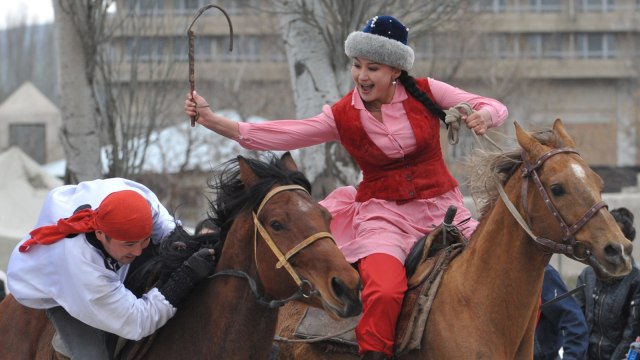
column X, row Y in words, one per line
column 570, row 212
column 293, row 250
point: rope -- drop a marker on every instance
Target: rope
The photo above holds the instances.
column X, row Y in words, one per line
column 453, row 118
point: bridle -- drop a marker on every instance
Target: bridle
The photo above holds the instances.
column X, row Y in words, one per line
column 305, row 288
column 529, row 170
column 283, row 259
column 569, row 242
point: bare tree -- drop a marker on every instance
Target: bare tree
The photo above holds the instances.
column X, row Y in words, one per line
column 100, row 110
column 76, row 61
column 314, row 33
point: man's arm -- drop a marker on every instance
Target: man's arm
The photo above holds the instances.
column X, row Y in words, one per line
column 571, row 319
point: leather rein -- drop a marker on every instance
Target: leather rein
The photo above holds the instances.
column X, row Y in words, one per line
column 569, row 242
column 305, row 288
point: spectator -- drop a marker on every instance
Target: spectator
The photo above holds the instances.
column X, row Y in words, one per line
column 561, row 324
column 611, row 306
column 206, row 226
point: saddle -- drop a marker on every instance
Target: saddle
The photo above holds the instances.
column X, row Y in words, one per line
column 425, row 266
column 125, row 349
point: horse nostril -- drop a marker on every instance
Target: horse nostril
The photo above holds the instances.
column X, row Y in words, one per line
column 339, row 287
column 349, row 297
column 611, row 251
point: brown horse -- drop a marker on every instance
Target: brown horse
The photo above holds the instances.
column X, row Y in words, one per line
column 487, row 302
column 264, row 210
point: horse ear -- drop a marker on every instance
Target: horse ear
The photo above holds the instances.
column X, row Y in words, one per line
column 247, row 176
column 528, row 143
column 288, row 163
column 558, row 128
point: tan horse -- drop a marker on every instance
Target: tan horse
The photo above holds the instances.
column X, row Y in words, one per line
column 487, row 302
column 269, row 222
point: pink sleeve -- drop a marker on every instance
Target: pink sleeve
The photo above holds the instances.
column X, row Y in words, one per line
column 447, row 96
column 283, row 135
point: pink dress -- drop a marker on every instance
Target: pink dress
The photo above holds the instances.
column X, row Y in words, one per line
column 375, row 226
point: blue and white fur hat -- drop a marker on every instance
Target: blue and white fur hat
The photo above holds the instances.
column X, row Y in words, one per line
column 383, row 40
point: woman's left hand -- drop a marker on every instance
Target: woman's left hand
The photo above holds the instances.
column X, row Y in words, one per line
column 478, row 121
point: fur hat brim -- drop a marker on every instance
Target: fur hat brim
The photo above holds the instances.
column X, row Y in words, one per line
column 379, row 49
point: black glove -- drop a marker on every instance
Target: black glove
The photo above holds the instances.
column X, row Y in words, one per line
column 197, row 267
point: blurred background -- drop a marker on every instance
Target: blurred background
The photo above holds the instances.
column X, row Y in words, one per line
column 95, row 88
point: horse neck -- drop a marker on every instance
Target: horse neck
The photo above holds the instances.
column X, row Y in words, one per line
column 501, row 249
column 223, row 311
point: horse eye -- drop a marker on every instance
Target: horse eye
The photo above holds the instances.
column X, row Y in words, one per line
column 276, row 225
column 557, row 190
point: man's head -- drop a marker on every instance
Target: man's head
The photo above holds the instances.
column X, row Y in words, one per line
column 624, row 218
column 123, row 216
column 206, row 226
column 123, row 225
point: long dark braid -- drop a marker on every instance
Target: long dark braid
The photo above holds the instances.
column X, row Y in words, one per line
column 410, row 84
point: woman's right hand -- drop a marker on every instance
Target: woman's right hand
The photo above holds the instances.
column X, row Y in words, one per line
column 196, row 105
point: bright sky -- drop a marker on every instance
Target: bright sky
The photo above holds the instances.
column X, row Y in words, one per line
column 13, row 12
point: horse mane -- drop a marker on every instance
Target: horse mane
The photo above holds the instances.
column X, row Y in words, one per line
column 233, row 197
column 168, row 257
column 490, row 168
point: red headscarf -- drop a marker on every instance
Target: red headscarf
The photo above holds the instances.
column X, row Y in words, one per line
column 123, row 215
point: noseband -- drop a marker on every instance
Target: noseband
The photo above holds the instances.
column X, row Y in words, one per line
column 283, row 259
column 568, row 244
column 305, row 288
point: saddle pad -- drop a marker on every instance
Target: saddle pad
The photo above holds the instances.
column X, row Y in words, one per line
column 317, row 324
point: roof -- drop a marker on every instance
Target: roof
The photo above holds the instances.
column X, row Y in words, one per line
column 27, row 99
column 23, row 188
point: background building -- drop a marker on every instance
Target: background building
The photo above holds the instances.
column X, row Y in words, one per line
column 571, row 59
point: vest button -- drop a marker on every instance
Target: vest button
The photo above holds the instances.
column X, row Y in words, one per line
column 408, row 177
column 411, row 193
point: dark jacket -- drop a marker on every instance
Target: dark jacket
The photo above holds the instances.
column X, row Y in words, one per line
column 612, row 313
column 561, row 324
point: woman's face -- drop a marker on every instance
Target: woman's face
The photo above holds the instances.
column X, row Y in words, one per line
column 374, row 81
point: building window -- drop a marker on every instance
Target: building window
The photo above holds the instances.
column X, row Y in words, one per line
column 187, row 7
column 544, row 46
column 595, row 46
column 506, row 46
column 203, row 46
column 31, row 139
column 489, row 6
column 144, row 7
column 594, row 5
column 237, row 7
column 145, row 49
column 545, row 5
column 438, row 46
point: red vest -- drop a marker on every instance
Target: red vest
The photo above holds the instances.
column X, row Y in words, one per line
column 421, row 174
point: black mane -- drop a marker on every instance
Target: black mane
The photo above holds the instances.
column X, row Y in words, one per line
column 231, row 197
column 158, row 262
